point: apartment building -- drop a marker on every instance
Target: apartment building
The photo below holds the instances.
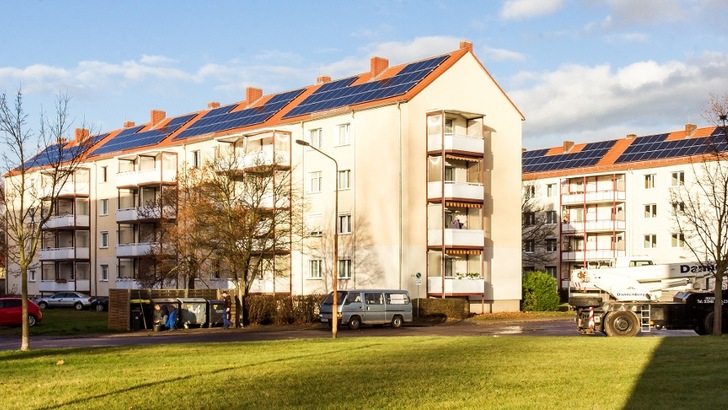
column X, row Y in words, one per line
column 420, row 172
column 607, row 199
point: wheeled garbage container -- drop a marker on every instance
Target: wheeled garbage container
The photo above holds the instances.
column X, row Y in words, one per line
column 193, row 312
column 169, row 308
column 139, row 314
column 215, row 310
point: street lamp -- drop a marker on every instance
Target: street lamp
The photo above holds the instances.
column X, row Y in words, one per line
column 335, row 283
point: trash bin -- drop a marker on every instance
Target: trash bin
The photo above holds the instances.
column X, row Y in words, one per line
column 171, row 303
column 139, row 314
column 193, row 312
column 215, row 310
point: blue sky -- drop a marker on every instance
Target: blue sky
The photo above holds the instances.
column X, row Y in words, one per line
column 578, row 70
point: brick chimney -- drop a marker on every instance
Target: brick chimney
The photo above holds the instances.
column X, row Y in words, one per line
column 322, row 79
column 631, row 136
column 690, row 130
column 568, row 145
column 157, row 116
column 378, row 64
column 128, row 124
column 213, row 104
column 466, row 45
column 252, row 94
column 81, row 134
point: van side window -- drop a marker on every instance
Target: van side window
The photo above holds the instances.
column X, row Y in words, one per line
column 352, row 298
column 374, row 298
column 397, row 299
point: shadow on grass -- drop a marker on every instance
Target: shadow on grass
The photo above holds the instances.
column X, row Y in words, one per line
column 688, row 372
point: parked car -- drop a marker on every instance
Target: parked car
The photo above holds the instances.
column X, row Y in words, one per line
column 11, row 312
column 76, row 300
column 100, row 303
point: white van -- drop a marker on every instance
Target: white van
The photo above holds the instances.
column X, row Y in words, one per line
column 369, row 307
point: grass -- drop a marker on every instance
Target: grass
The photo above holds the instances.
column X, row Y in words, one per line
column 398, row 373
column 65, row 322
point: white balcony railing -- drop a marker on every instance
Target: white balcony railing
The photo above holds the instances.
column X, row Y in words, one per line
column 126, row 250
column 143, row 212
column 151, row 176
column 456, row 142
column 456, row 237
column 455, row 285
column 459, row 190
column 67, row 221
column 277, row 285
column 56, row 286
column 68, row 189
column 64, row 253
column 593, row 197
column 593, row 226
column 575, row 256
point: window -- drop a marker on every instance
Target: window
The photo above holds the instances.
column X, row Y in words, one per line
column 551, row 217
column 650, row 241
column 314, row 225
column 529, row 191
column 344, row 268
column 529, row 218
column 651, row 211
column 314, row 182
column 196, row 159
column 103, row 207
column 31, row 275
column 104, row 239
column 551, row 245
column 551, row 270
column 550, row 190
column 345, row 223
column 678, row 207
column 314, row 269
column 678, row 240
column 104, row 273
column 314, row 137
column 104, row 175
column 449, row 128
column 342, row 135
column 529, row 246
column 344, row 179
column 678, row 178
column 649, row 181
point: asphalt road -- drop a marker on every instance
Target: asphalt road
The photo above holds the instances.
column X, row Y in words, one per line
column 560, row 327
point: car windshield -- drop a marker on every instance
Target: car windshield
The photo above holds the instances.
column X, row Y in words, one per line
column 330, row 298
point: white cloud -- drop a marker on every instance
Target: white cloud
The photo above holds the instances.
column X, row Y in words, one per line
column 499, row 54
column 523, row 9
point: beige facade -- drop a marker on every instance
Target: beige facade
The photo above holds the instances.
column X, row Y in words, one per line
column 448, row 148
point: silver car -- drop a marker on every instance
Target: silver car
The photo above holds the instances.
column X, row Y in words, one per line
column 76, row 300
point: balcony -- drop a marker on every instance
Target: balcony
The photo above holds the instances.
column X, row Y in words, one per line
column 593, row 197
column 456, row 237
column 52, row 286
column 132, row 250
column 456, row 142
column 593, row 226
column 49, row 254
column 597, row 254
column 67, row 221
column 146, row 177
column 144, row 213
column 456, row 190
column 256, row 159
column 68, row 189
column 277, row 285
column 455, row 286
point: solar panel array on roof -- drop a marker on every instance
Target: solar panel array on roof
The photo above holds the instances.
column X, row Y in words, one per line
column 589, row 156
column 341, row 93
column 132, row 138
column 655, row 147
column 51, row 154
column 221, row 119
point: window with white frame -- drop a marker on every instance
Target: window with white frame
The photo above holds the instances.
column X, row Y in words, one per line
column 649, row 181
column 651, row 211
column 678, row 240
column 314, row 182
column 552, row 217
column 551, row 245
column 345, row 223
column 344, row 268
column 104, row 239
column 529, row 191
column 104, row 273
column 196, row 159
column 314, row 137
column 678, row 178
column 529, row 246
column 315, row 270
column 313, row 225
column 550, row 190
column 650, row 241
column 678, row 207
column 31, row 275
column 103, row 207
column 345, row 179
column 104, row 174
column 551, row 270
column 342, row 134
column 529, row 218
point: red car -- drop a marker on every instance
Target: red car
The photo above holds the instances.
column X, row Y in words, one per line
column 11, row 312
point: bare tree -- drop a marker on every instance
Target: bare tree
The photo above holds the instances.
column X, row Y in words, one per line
column 701, row 207
column 536, row 228
column 33, row 181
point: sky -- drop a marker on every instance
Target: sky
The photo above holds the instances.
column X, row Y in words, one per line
column 583, row 71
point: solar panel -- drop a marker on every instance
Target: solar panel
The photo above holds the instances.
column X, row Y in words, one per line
column 538, row 161
column 221, row 119
column 132, row 138
column 341, row 93
column 655, row 147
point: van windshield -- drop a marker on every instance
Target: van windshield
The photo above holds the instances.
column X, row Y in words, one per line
column 330, row 298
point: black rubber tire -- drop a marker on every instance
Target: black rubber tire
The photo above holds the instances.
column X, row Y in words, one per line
column 622, row 324
column 78, row 306
column 707, row 328
column 354, row 323
column 397, row 322
column 43, row 305
column 100, row 307
column 31, row 320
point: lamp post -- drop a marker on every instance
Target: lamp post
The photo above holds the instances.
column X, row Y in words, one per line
column 335, row 282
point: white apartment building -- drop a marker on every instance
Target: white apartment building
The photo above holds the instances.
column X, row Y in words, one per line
column 611, row 198
column 417, row 145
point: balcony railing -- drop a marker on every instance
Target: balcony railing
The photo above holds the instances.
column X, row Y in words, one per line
column 593, row 226
column 459, row 190
column 456, row 237
column 68, row 189
column 134, row 249
column 256, row 159
column 593, row 197
column 277, row 285
column 64, row 253
column 67, row 221
column 456, row 142
column 575, row 256
column 455, row 286
column 81, row 285
column 143, row 212
column 146, row 177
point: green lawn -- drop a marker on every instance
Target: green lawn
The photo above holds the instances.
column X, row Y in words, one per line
column 376, row 373
column 65, row 322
